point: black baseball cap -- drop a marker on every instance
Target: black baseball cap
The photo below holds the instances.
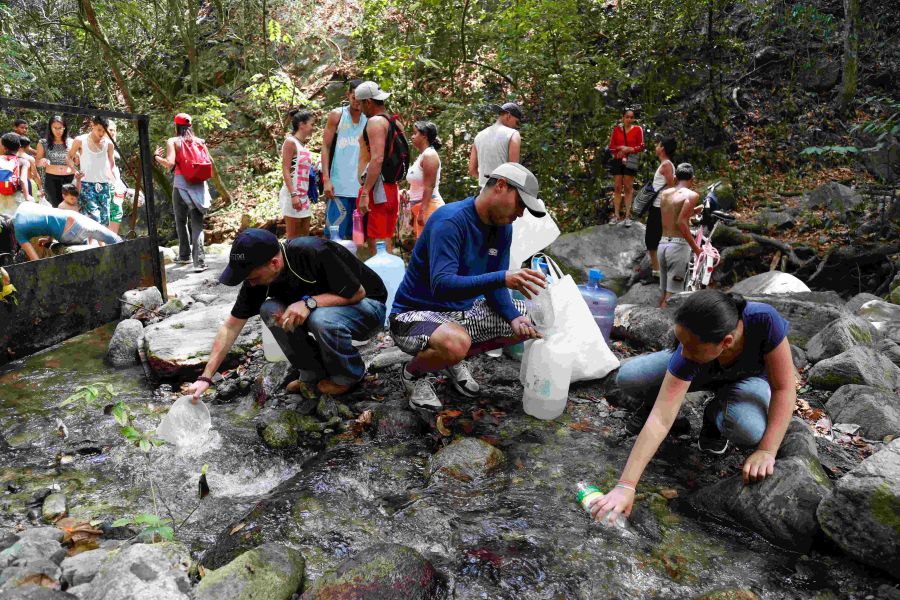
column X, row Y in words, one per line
column 513, row 109
column 251, row 248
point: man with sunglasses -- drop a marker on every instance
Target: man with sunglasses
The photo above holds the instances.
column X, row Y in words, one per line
column 497, row 144
column 454, row 300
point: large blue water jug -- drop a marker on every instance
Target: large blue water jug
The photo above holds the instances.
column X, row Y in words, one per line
column 391, row 270
column 335, row 236
column 601, row 301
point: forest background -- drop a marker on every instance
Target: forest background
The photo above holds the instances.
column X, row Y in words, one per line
column 772, row 96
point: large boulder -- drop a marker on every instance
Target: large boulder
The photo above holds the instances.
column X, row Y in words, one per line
column 833, row 196
column 889, row 348
column 388, row 571
column 883, row 159
column 819, row 74
column 145, row 571
column 856, row 302
column 862, row 513
column 36, row 592
column 179, row 346
column 883, row 315
column 613, row 250
column 770, row 282
column 781, row 508
column 466, row 459
column 644, row 294
column 839, row 336
column 83, row 567
column 288, row 428
column 858, row 365
column 877, row 412
column 270, row 571
column 143, row 298
column 123, row 347
column 646, row 326
column 894, row 294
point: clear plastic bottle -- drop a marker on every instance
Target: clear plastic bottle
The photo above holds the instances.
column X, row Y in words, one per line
column 335, row 236
column 540, row 306
column 601, row 301
column 359, row 234
column 586, row 494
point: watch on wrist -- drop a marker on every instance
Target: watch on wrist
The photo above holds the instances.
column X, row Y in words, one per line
column 310, row 302
column 205, row 379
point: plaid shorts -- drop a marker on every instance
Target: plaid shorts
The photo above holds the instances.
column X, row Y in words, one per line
column 412, row 330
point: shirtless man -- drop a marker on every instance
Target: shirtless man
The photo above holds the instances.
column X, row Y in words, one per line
column 677, row 205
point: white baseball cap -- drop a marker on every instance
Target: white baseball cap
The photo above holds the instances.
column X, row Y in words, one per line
column 525, row 182
column 369, row 90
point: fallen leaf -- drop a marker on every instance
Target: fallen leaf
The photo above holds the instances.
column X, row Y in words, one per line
column 584, row 426
column 452, row 413
column 439, row 425
column 41, row 580
column 83, row 545
column 237, row 528
column 201, row 571
column 668, row 493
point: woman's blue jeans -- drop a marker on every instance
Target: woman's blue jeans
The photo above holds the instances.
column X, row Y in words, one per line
column 741, row 402
column 331, row 354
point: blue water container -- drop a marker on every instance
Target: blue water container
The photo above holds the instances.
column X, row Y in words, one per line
column 391, row 270
column 335, row 236
column 601, row 301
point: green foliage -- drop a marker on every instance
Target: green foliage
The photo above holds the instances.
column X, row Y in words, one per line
column 145, row 440
column 153, row 527
column 86, row 396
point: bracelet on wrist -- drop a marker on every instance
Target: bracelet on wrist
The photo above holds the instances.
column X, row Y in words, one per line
column 625, row 486
column 205, row 379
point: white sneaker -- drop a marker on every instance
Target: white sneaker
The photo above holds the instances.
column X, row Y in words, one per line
column 462, row 379
column 613, row 221
column 420, row 392
column 628, row 222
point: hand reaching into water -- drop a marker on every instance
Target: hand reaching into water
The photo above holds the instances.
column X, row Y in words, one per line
column 619, row 501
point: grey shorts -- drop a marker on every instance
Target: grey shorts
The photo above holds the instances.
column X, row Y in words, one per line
column 85, row 229
column 412, row 330
column 674, row 257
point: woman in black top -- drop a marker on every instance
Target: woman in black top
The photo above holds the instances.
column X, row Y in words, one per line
column 51, row 155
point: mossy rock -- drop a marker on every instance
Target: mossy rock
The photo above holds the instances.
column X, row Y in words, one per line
column 285, row 430
column 728, row 594
column 839, row 336
column 268, row 572
column 466, row 459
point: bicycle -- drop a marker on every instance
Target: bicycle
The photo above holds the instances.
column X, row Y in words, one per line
column 701, row 266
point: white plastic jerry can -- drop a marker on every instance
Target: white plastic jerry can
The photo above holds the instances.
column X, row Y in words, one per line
column 546, row 377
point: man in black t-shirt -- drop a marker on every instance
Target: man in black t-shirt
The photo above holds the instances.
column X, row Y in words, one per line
column 306, row 286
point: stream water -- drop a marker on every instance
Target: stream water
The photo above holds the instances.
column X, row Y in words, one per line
column 517, row 534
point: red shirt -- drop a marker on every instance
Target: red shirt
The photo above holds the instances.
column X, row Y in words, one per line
column 634, row 139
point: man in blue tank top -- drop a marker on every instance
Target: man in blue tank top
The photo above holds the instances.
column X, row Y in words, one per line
column 454, row 300
column 340, row 157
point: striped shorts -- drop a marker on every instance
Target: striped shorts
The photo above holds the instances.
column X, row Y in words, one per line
column 412, row 330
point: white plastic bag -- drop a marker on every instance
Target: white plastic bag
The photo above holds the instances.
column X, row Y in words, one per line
column 575, row 323
column 546, row 376
column 530, row 234
column 185, row 424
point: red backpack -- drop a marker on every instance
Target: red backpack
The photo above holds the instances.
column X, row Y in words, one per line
column 10, row 177
column 193, row 160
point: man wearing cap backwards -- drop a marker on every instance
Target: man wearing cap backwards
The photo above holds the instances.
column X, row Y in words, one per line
column 379, row 198
column 306, row 286
column 462, row 254
column 496, row 144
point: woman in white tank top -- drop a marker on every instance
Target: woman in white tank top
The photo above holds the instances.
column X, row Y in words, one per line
column 424, row 176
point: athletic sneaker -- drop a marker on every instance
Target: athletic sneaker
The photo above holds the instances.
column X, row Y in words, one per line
column 628, row 222
column 636, row 421
column 711, row 439
column 462, row 379
column 613, row 221
column 420, row 391
column 183, row 261
column 200, row 268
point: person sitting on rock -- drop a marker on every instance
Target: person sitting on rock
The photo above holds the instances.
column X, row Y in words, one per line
column 462, row 254
column 737, row 349
column 33, row 220
column 305, row 286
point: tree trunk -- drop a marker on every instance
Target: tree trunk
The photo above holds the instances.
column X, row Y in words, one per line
column 852, row 27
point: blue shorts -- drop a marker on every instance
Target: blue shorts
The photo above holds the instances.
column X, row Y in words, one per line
column 339, row 213
column 93, row 201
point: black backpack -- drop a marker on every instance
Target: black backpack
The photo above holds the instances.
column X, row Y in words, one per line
column 396, row 153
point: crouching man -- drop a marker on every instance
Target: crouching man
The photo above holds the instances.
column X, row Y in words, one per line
column 303, row 288
column 439, row 314
column 34, row 220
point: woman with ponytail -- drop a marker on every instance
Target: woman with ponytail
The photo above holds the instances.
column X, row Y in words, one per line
column 296, row 163
column 735, row 348
column 424, row 176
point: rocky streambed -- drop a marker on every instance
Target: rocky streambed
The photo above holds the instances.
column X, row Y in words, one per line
column 363, row 498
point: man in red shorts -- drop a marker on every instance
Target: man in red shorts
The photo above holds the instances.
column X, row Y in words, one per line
column 385, row 160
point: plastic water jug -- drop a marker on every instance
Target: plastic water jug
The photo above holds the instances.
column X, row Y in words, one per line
column 359, row 234
column 335, row 236
column 546, row 373
column 271, row 350
column 391, row 270
column 541, row 306
column 601, row 301
column 185, row 424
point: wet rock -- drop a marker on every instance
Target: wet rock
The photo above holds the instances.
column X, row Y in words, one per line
column 179, row 346
column 839, row 336
column 858, row 365
column 833, row 196
column 300, row 404
column 7, row 539
column 271, row 570
column 466, row 459
column 877, row 412
column 862, row 513
column 771, row 219
column 395, row 421
column 799, row 440
column 328, row 408
column 781, row 508
column 54, row 507
column 387, row 358
column 207, row 299
column 32, row 549
column 82, row 568
column 771, row 282
column 172, row 307
column 643, row 294
column 727, row 594
column 36, row 592
column 145, row 571
column 646, row 326
column 382, row 571
column 123, row 346
column 894, row 294
column 856, row 302
column 275, row 376
column 798, row 355
column 289, row 428
column 41, row 534
column 883, row 315
column 613, row 250
column 133, row 300
column 891, row 349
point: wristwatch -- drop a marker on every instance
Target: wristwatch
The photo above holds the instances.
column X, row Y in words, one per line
column 310, row 302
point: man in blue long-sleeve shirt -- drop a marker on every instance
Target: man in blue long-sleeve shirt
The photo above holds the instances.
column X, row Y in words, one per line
column 455, row 292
